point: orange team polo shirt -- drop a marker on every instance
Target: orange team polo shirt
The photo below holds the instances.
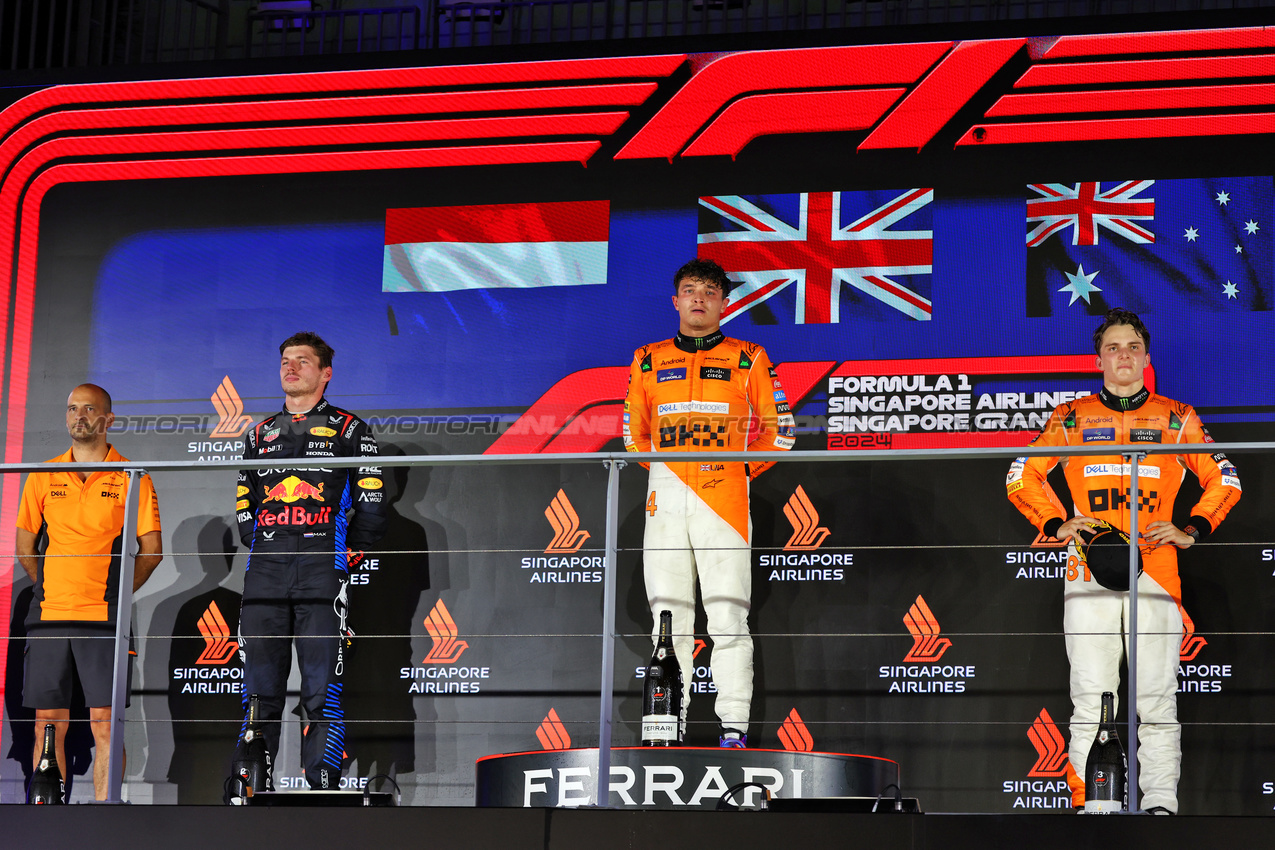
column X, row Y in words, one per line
column 79, row 578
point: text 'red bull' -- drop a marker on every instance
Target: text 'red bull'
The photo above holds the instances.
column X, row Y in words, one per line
column 296, row 515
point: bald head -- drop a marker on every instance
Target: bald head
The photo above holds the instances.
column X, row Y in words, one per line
column 88, row 414
column 101, row 396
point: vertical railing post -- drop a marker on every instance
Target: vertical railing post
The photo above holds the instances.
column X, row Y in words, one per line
column 123, row 624
column 1131, row 785
column 602, row 794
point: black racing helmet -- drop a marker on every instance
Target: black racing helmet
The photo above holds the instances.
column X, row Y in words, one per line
column 1107, row 555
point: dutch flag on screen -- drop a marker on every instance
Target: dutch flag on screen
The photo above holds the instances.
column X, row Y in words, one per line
column 495, row 246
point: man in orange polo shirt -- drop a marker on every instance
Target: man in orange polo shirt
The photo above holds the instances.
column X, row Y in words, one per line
column 72, row 620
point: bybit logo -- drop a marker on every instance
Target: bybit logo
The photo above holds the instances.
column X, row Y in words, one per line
column 794, row 735
column 552, row 734
column 927, row 646
column 232, row 421
column 567, row 535
column 218, row 647
column 807, row 534
column 442, row 628
column 1051, row 751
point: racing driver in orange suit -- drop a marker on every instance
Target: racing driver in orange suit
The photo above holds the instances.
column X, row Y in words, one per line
column 1125, row 412
column 702, row 391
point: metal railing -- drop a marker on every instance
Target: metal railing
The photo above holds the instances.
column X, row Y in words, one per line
column 614, row 462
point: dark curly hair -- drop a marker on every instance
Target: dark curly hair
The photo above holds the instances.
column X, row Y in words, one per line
column 312, row 339
column 707, row 271
column 1120, row 316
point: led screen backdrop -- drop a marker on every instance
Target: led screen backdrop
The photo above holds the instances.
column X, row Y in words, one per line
column 924, row 237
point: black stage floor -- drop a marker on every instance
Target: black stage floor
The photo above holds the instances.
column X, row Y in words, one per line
column 220, row 828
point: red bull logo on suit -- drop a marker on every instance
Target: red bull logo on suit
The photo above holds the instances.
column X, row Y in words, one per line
column 293, row 489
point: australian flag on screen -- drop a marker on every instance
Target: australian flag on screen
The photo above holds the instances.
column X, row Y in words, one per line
column 821, row 257
column 1149, row 246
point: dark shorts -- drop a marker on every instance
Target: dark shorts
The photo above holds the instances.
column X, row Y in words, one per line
column 55, row 658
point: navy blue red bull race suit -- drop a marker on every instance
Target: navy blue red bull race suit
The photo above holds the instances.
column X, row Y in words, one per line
column 303, row 528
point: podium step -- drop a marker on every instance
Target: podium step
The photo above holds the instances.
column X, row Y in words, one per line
column 320, row 798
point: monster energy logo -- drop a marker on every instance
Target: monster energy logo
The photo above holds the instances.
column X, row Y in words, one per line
column 1124, row 402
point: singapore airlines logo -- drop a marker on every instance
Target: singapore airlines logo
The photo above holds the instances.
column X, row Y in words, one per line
column 229, row 407
column 218, row 647
column 442, row 628
column 807, row 534
column 927, row 646
column 552, row 734
column 1191, row 642
column 1051, row 752
column 567, row 535
column 794, row 735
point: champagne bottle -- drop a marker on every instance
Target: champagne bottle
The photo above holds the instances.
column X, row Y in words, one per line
column 662, row 692
column 46, row 781
column 251, row 767
column 1105, row 771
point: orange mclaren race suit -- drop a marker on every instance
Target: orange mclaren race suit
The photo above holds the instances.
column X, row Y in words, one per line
column 697, row 394
column 1092, row 615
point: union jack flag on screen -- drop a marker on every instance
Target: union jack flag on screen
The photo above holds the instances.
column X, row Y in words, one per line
column 823, row 256
column 1085, row 208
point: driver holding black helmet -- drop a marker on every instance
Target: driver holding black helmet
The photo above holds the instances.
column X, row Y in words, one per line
column 1096, row 602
